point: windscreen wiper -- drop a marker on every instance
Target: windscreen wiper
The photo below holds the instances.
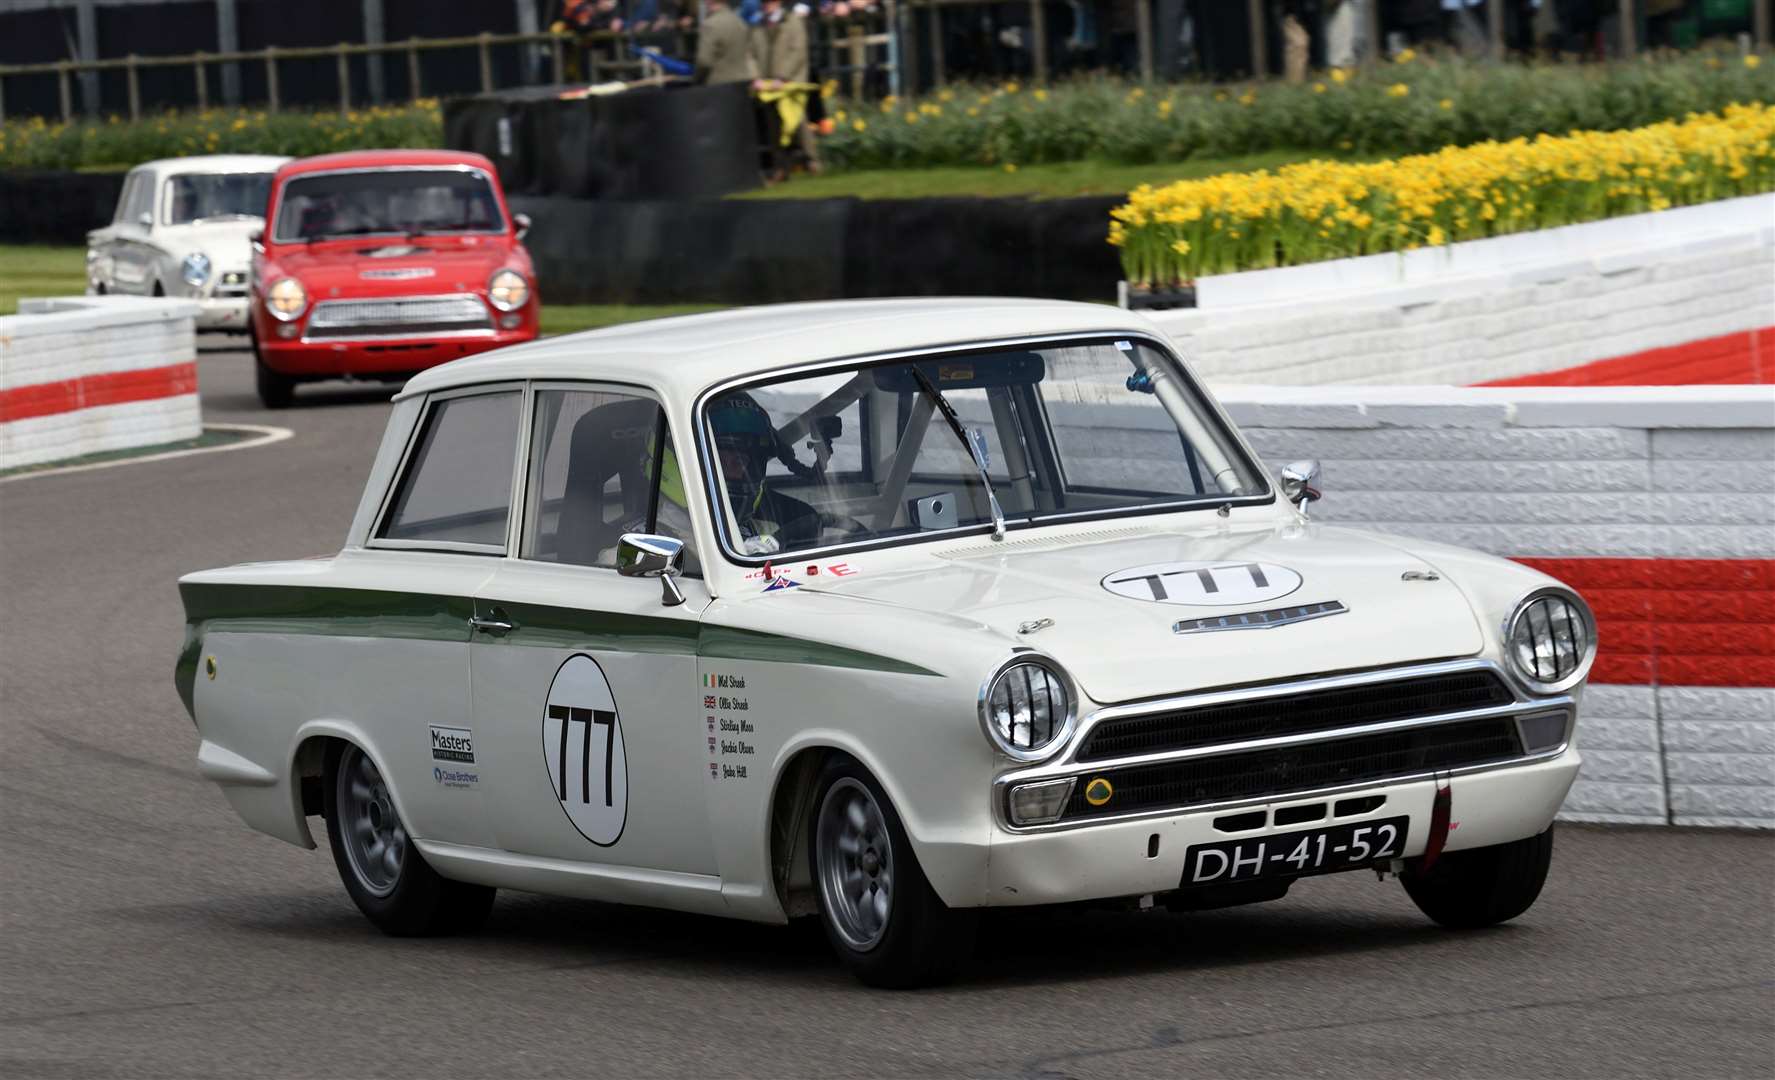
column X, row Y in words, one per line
column 949, row 414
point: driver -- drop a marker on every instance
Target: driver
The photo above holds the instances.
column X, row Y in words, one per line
column 746, row 441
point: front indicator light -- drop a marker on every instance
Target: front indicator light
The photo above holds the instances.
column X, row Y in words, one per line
column 1040, row 803
column 510, row 322
column 1542, row 731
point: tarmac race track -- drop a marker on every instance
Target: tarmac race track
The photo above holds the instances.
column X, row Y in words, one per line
column 147, row 932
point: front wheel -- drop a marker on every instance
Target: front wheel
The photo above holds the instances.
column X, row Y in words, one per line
column 388, row 879
column 880, row 913
column 1484, row 886
column 276, row 390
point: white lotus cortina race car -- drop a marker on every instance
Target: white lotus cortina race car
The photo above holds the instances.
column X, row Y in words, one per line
column 889, row 611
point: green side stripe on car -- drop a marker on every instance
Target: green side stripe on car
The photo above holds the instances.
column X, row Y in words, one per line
column 732, row 643
column 305, row 609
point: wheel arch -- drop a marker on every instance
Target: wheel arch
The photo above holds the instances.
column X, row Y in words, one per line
column 307, row 768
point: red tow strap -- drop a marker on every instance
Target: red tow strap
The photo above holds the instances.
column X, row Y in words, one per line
column 1440, row 809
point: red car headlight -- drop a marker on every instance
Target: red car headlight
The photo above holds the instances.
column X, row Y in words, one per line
column 507, row 290
column 286, row 299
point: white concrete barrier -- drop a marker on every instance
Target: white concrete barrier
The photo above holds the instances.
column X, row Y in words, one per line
column 1493, row 309
column 1656, row 503
column 93, row 374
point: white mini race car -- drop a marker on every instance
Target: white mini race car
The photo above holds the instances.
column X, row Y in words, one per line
column 183, row 228
column 890, row 611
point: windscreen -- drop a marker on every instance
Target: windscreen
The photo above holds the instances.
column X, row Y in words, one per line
column 193, row 198
column 402, row 202
column 896, row 450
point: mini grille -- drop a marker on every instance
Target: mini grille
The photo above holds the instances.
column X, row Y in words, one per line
column 1262, row 773
column 410, row 315
column 1295, row 714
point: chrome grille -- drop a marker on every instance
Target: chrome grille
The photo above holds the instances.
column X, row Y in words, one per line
column 1280, row 770
column 1295, row 714
column 407, row 316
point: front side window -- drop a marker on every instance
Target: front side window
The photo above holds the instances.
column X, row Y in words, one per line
column 457, row 486
column 602, row 465
column 400, row 202
column 198, row 197
column 873, row 452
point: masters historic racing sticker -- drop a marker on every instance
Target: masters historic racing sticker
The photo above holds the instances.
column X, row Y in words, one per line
column 1210, row 584
column 582, row 748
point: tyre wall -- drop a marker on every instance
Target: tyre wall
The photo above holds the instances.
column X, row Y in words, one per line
column 1656, row 503
column 89, row 375
column 1684, row 295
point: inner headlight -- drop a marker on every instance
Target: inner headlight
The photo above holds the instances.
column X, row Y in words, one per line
column 286, row 299
column 195, row 269
column 507, row 290
column 1550, row 639
column 1026, row 709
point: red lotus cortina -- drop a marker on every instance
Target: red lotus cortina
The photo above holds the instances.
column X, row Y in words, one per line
column 376, row 264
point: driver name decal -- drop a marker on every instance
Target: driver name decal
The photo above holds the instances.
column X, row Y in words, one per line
column 1206, row 584
column 582, row 749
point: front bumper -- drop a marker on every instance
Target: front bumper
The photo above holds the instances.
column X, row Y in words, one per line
column 1113, row 860
column 226, row 313
column 390, row 355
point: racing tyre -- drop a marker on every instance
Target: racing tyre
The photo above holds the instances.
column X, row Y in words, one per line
column 276, row 391
column 1484, row 886
column 388, row 879
column 881, row 915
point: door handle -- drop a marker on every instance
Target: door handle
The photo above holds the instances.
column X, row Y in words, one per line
column 497, row 627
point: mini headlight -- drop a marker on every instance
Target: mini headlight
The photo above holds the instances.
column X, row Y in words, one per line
column 1550, row 639
column 195, row 269
column 286, row 299
column 507, row 290
column 1026, row 709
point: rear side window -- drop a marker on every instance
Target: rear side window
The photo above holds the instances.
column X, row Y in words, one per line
column 457, row 487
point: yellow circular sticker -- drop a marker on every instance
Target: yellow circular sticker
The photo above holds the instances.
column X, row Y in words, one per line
column 1099, row 791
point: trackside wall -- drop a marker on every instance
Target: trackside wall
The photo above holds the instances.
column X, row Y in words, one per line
column 1503, row 308
column 1656, row 503
column 90, row 375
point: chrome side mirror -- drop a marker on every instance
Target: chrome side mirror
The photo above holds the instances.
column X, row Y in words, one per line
column 257, row 239
column 522, row 221
column 1300, row 482
column 644, row 555
column 145, row 220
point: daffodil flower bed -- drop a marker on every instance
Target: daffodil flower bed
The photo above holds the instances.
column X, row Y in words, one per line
column 1320, row 210
column 115, row 142
column 1413, row 105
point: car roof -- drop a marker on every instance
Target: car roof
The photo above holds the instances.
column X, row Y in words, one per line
column 215, row 163
column 682, row 356
column 381, row 159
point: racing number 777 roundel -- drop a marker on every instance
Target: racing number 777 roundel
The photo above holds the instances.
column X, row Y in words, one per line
column 583, row 749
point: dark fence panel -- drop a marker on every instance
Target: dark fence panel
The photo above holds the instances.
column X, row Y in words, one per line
column 745, row 251
column 676, row 142
column 55, row 207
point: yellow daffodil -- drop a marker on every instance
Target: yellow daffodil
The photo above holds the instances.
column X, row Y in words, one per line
column 1398, row 89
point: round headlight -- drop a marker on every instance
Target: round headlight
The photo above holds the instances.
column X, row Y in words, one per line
column 1026, row 709
column 507, row 290
column 286, row 299
column 195, row 269
column 1550, row 639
